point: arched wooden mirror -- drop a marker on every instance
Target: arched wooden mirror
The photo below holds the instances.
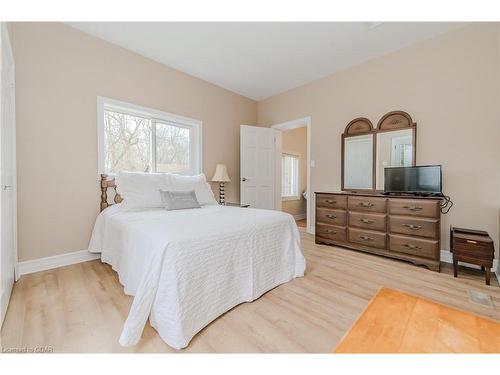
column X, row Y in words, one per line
column 358, row 155
column 367, row 151
column 396, row 141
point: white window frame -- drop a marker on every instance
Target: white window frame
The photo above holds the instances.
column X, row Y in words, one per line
column 291, row 197
column 195, row 126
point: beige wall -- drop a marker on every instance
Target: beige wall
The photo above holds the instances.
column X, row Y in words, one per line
column 59, row 74
column 449, row 85
column 294, row 142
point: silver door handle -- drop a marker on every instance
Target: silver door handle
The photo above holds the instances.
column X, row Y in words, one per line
column 366, row 238
column 5, row 187
column 413, row 247
column 413, row 208
column 366, row 204
column 412, row 227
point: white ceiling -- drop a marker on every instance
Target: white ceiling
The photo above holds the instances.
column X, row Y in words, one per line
column 260, row 59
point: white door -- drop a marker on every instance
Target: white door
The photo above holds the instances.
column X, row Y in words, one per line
column 7, row 174
column 257, row 166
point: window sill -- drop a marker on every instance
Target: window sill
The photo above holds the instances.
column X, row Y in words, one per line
column 284, row 199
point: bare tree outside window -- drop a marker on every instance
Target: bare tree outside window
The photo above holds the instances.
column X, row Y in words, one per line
column 172, row 148
column 127, row 141
column 140, row 139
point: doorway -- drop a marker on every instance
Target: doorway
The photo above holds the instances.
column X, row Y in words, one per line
column 293, row 172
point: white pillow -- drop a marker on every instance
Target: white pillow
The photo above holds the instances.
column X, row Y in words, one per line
column 198, row 183
column 142, row 190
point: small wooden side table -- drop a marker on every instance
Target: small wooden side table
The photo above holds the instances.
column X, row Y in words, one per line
column 471, row 246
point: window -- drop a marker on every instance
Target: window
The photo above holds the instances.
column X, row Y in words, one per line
column 134, row 138
column 289, row 177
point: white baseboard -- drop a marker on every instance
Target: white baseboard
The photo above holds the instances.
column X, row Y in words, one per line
column 447, row 257
column 299, row 216
column 43, row 264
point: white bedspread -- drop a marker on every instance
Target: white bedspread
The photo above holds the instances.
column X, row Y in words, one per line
column 187, row 267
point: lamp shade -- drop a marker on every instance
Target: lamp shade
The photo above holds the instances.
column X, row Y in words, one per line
column 220, row 174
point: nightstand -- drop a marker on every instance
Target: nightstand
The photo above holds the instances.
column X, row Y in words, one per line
column 236, row 205
column 474, row 247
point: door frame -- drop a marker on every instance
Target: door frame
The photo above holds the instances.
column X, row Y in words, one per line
column 304, row 122
column 9, row 51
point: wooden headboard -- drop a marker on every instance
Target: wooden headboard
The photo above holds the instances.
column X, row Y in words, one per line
column 107, row 183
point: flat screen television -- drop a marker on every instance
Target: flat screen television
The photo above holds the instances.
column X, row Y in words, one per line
column 423, row 180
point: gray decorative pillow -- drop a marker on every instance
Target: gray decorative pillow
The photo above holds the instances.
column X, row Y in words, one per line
column 178, row 200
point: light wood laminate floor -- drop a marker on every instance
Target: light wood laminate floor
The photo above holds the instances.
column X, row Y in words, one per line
column 302, row 223
column 82, row 308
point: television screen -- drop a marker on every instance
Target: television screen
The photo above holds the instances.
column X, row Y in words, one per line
column 425, row 179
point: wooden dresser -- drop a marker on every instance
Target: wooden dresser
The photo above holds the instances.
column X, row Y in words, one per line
column 401, row 227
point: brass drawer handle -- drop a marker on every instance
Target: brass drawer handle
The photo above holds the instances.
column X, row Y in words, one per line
column 471, row 241
column 366, row 221
column 413, row 247
column 366, row 238
column 328, row 231
column 413, row 208
column 330, row 201
column 331, row 216
column 412, row 227
column 365, row 204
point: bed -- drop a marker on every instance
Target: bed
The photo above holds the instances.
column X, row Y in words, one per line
column 187, row 267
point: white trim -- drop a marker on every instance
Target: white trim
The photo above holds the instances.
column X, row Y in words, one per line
column 278, row 163
column 43, row 264
column 299, row 216
column 294, row 124
column 155, row 116
column 9, row 51
column 447, row 257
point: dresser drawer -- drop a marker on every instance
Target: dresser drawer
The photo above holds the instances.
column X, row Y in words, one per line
column 410, row 245
column 331, row 232
column 367, row 238
column 331, row 201
column 414, row 207
column 366, row 204
column 367, row 220
column 333, row 217
column 414, row 226
column 472, row 250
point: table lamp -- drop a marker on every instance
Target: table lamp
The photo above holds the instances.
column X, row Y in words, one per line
column 221, row 177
